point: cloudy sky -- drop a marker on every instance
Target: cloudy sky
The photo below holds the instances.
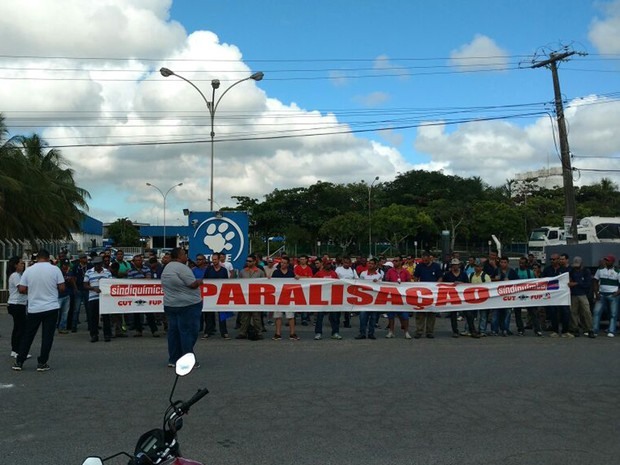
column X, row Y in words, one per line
column 352, row 90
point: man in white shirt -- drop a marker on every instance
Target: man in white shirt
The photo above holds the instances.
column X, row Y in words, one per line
column 346, row 271
column 41, row 282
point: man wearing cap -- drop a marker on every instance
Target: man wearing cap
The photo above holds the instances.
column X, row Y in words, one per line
column 397, row 274
column 580, row 281
column 427, row 271
column 606, row 291
column 456, row 275
column 91, row 283
column 41, row 281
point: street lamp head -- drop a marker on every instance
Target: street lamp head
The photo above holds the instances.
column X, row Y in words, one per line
column 258, row 76
column 179, row 184
column 215, row 83
column 377, row 178
column 165, row 72
column 149, row 184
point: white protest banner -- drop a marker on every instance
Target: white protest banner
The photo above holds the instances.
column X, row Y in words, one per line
column 303, row 295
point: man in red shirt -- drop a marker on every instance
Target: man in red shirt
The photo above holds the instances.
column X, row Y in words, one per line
column 303, row 270
column 325, row 271
column 398, row 274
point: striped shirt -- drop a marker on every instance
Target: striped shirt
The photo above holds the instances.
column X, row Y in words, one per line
column 607, row 279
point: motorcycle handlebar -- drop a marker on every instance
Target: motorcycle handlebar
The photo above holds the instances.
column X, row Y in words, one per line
column 195, row 398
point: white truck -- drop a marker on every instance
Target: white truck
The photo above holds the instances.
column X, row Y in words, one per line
column 590, row 230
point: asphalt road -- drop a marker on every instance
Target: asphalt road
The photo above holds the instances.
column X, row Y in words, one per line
column 515, row 400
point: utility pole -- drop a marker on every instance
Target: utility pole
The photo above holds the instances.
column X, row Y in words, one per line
column 570, row 208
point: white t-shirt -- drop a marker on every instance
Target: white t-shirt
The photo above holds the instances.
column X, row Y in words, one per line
column 15, row 297
column 229, row 267
column 42, row 280
column 346, row 273
column 377, row 276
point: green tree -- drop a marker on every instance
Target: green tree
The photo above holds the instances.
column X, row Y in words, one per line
column 124, row 233
column 398, row 222
column 345, row 229
column 38, row 194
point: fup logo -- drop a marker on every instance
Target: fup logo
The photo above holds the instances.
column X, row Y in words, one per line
column 221, row 232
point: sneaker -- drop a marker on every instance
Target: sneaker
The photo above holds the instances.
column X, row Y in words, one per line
column 13, row 354
column 43, row 367
column 567, row 336
column 294, row 337
column 389, row 335
column 430, row 336
column 611, row 335
column 483, row 334
column 17, row 366
column 226, row 337
column 592, row 334
column 554, row 334
column 171, row 365
column 205, row 336
column 520, row 333
column 276, row 337
column 318, row 336
column 539, row 333
column 336, row 336
column 371, row 336
column 455, row 335
column 360, row 336
column 407, row 335
column 417, row 336
column 465, row 333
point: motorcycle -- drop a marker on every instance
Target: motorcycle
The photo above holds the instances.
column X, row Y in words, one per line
column 160, row 446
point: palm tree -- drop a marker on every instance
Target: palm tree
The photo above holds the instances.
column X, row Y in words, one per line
column 38, row 194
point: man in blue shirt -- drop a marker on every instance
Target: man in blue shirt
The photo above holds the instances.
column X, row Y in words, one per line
column 428, row 271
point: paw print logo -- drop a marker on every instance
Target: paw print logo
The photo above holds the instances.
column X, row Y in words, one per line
column 218, row 237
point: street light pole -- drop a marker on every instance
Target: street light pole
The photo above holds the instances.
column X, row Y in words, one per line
column 212, row 106
column 370, row 218
column 164, row 196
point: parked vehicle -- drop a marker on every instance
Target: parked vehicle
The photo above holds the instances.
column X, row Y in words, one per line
column 160, row 446
column 590, row 230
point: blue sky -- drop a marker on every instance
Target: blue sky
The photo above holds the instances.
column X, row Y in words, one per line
column 363, row 65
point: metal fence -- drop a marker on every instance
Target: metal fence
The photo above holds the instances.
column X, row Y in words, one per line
column 24, row 249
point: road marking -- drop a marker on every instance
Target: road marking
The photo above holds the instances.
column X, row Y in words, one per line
column 6, row 386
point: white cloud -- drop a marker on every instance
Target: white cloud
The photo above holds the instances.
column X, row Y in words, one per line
column 605, row 33
column 383, row 63
column 144, row 106
column 338, row 78
column 482, row 53
column 373, row 99
column 496, row 151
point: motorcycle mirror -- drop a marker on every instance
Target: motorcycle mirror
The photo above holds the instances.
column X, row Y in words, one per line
column 185, row 364
column 93, row 461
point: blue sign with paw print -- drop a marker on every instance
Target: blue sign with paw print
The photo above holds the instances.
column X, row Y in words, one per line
column 223, row 232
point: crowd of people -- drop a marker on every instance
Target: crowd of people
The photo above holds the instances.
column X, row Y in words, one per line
column 51, row 293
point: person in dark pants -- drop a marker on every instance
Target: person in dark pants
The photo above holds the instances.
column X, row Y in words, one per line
column 456, row 275
column 138, row 270
column 41, row 282
column 215, row 271
column 17, row 302
column 91, row 283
